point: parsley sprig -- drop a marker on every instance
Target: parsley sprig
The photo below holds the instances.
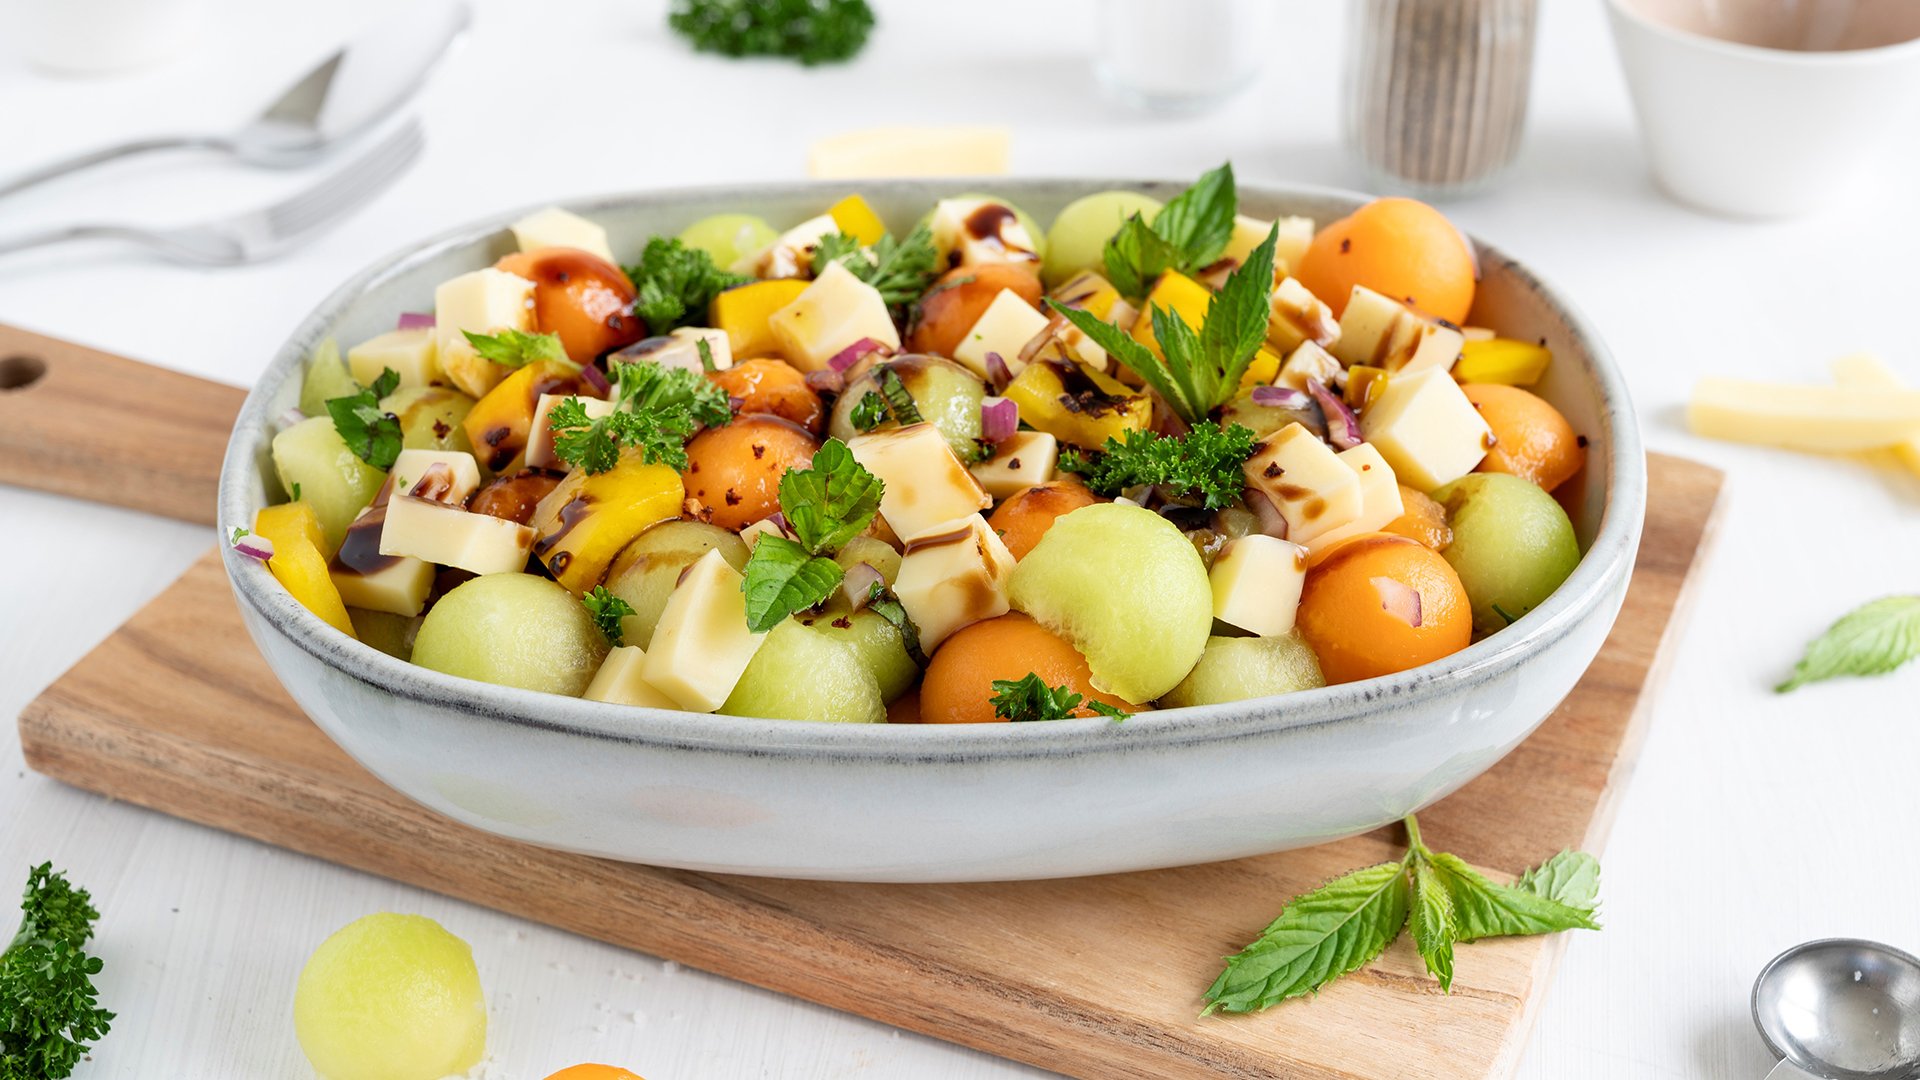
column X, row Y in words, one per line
column 1189, row 233
column 1197, row 372
column 1872, row 639
column 607, row 610
column 1029, row 698
column 1206, row 461
column 810, row 31
column 827, row 504
column 372, row 433
column 674, row 284
column 49, row 1007
column 900, row 269
column 514, row 348
column 1344, row 924
column 656, row 409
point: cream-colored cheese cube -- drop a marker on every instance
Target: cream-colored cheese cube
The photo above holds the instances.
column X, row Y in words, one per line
column 1866, row 371
column 1256, row 584
column 1380, row 499
column 450, row 536
column 1306, row 481
column 791, row 253
column 681, row 349
column 1005, row 327
column 910, row 151
column 484, row 302
column 702, row 645
column 1824, row 419
column 621, row 681
column 926, row 486
column 367, row 579
column 1382, row 332
column 1296, row 233
column 970, row 232
column 834, row 312
column 448, row 476
column 1309, row 361
column 1426, row 428
column 540, row 454
column 751, row 534
column 410, row 354
column 1296, row 315
column 953, row 576
column 554, row 227
column 1023, row 460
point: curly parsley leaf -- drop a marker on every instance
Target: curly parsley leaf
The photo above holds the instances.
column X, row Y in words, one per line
column 1189, row 233
column 370, row 432
column 513, row 348
column 782, row 578
column 49, row 1007
column 644, row 386
column 869, row 412
column 674, row 284
column 607, row 611
column 830, row 502
column 1873, row 639
column 1319, row 936
column 900, row 269
column 1206, row 461
column 594, row 445
column 810, row 31
column 1029, row 699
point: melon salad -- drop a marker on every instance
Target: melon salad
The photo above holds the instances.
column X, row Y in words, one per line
column 969, row 470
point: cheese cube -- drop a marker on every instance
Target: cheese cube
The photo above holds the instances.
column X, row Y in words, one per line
column 927, row 488
column 681, row 349
column 1089, row 292
column 953, row 576
column 1866, row 371
column 970, row 232
column 1379, row 496
column 702, row 645
column 1296, row 233
column 1382, row 332
column 1256, row 584
column 1005, row 327
column 620, row 681
column 751, row 534
column 1824, row 419
column 448, row 476
column 1309, row 361
column 791, row 253
column 409, row 353
column 1296, row 316
column 540, row 453
column 1025, row 459
column 450, row 536
column 1306, row 482
column 484, row 302
column 834, row 312
column 910, row 151
column 554, row 227
column 367, row 579
column 1426, row 428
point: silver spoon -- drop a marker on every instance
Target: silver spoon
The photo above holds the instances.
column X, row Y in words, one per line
column 348, row 93
column 1841, row 1009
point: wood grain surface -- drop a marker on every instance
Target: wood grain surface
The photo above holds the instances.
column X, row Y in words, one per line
column 160, row 454
column 1095, row 977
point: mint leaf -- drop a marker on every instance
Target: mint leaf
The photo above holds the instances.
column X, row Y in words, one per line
column 782, row 578
column 1483, row 909
column 512, row 348
column 1321, row 936
column 1185, row 363
column 1237, row 317
column 1872, row 639
column 1199, row 220
column 1136, row 255
column 882, row 602
column 900, row 403
column 869, row 412
column 607, row 611
column 832, row 502
column 1122, row 347
column 1432, row 922
column 1571, row 878
column 371, row 433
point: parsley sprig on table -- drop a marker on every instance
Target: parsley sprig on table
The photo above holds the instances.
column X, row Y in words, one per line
column 372, row 433
column 900, row 269
column 1029, row 698
column 515, row 348
column 1872, row 639
column 1197, row 372
column 674, row 284
column 810, row 31
column 49, row 1008
column 1187, row 235
column 607, row 610
column 656, row 409
column 1344, row 924
column 825, row 505
column 1206, row 461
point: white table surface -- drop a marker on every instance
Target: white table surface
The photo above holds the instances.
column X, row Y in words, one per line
column 1753, row 822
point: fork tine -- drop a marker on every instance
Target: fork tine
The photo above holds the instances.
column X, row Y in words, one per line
column 368, row 176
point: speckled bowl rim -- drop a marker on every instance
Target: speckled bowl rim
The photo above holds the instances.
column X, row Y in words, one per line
column 1607, row 562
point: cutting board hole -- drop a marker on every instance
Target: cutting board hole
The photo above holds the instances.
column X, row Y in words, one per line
column 19, row 372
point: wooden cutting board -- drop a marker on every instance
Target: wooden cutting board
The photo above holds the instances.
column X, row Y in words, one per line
column 1095, row 977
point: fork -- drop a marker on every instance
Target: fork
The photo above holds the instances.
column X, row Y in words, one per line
column 264, row 233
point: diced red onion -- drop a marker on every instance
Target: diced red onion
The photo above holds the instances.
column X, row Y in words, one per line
column 1166, row 421
column 290, row 417
column 1266, row 515
column 1399, row 599
column 594, row 377
column 254, row 546
column 779, row 521
column 1343, row 428
column 858, row 584
column 998, row 373
column 999, row 418
column 851, row 355
column 827, row 381
column 1281, row 397
column 414, row 320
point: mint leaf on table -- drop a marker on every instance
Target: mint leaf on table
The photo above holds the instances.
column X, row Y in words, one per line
column 830, row 502
column 1571, row 878
column 372, row 433
column 1483, row 909
column 1872, row 639
column 49, row 1007
column 514, row 348
column 782, row 578
column 1432, row 922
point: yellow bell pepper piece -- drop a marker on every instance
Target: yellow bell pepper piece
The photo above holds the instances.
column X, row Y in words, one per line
column 585, row 521
column 294, row 530
column 1180, row 295
column 1364, row 383
column 1076, row 404
column 1089, row 292
column 855, row 218
column 1502, row 360
column 498, row 424
column 743, row 313
column 1263, row 369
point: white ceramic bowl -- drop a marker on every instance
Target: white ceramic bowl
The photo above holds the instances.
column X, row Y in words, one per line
column 940, row 803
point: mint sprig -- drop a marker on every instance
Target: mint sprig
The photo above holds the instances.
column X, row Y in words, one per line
column 1873, row 639
column 372, row 433
column 827, row 504
column 1189, row 233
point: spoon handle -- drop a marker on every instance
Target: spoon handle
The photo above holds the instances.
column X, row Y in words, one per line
column 1787, row 1070
column 55, row 169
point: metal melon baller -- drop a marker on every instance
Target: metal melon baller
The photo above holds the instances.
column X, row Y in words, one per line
column 1841, row 1009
